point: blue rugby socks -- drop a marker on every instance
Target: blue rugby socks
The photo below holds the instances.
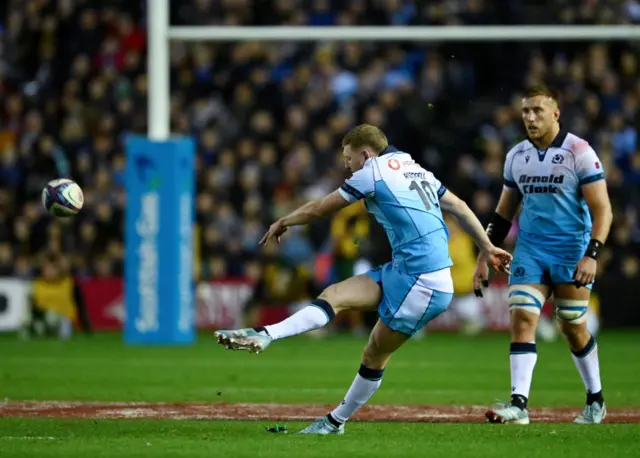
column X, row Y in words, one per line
column 589, row 367
column 523, row 357
column 314, row 316
column 366, row 383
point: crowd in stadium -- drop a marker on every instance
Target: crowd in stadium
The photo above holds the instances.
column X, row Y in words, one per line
column 268, row 119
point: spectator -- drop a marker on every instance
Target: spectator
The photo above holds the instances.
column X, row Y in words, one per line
column 57, row 302
column 267, row 119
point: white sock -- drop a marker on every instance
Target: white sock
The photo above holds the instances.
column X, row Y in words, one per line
column 589, row 367
column 311, row 317
column 364, row 385
column 523, row 357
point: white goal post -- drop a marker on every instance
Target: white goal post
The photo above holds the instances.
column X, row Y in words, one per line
column 160, row 34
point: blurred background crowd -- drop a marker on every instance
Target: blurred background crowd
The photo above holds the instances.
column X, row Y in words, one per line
column 268, row 119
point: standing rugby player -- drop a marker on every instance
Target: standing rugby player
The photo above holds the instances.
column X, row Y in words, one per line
column 565, row 221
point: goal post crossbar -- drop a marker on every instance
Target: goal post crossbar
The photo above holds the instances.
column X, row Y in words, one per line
column 415, row 34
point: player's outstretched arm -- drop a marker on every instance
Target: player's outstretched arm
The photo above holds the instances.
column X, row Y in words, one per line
column 497, row 257
column 316, row 209
column 307, row 213
column 597, row 198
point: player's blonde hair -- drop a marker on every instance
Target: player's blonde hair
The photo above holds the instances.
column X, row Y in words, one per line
column 543, row 90
column 366, row 135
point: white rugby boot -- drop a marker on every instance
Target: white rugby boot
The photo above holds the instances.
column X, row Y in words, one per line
column 508, row 414
column 244, row 339
column 322, row 426
column 592, row 414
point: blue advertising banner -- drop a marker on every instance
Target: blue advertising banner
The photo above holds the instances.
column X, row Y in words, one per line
column 159, row 287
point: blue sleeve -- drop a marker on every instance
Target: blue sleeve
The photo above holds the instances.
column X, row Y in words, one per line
column 360, row 185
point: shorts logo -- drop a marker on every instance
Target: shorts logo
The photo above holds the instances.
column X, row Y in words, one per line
column 394, row 164
column 519, row 272
column 557, row 159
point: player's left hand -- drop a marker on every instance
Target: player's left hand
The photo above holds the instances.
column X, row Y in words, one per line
column 498, row 259
column 585, row 272
column 275, row 232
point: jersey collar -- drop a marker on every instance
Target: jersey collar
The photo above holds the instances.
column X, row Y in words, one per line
column 558, row 141
column 388, row 150
column 560, row 138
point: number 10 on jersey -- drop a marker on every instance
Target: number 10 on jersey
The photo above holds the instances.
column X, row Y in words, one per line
column 427, row 194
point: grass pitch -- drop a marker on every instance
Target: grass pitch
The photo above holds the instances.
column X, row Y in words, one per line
column 440, row 370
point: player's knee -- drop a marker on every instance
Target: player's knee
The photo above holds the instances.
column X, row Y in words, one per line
column 572, row 311
column 525, row 302
column 330, row 295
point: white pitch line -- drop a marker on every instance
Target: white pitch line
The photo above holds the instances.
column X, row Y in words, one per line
column 238, row 361
column 26, row 438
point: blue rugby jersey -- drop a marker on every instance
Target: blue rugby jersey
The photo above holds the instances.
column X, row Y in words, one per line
column 404, row 198
column 555, row 214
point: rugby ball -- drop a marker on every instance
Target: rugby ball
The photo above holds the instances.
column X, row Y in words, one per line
column 62, row 197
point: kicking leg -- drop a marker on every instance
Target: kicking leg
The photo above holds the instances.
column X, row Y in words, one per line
column 525, row 302
column 356, row 293
column 382, row 343
column 571, row 310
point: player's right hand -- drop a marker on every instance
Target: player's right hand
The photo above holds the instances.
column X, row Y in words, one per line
column 498, row 259
column 275, row 232
column 480, row 276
